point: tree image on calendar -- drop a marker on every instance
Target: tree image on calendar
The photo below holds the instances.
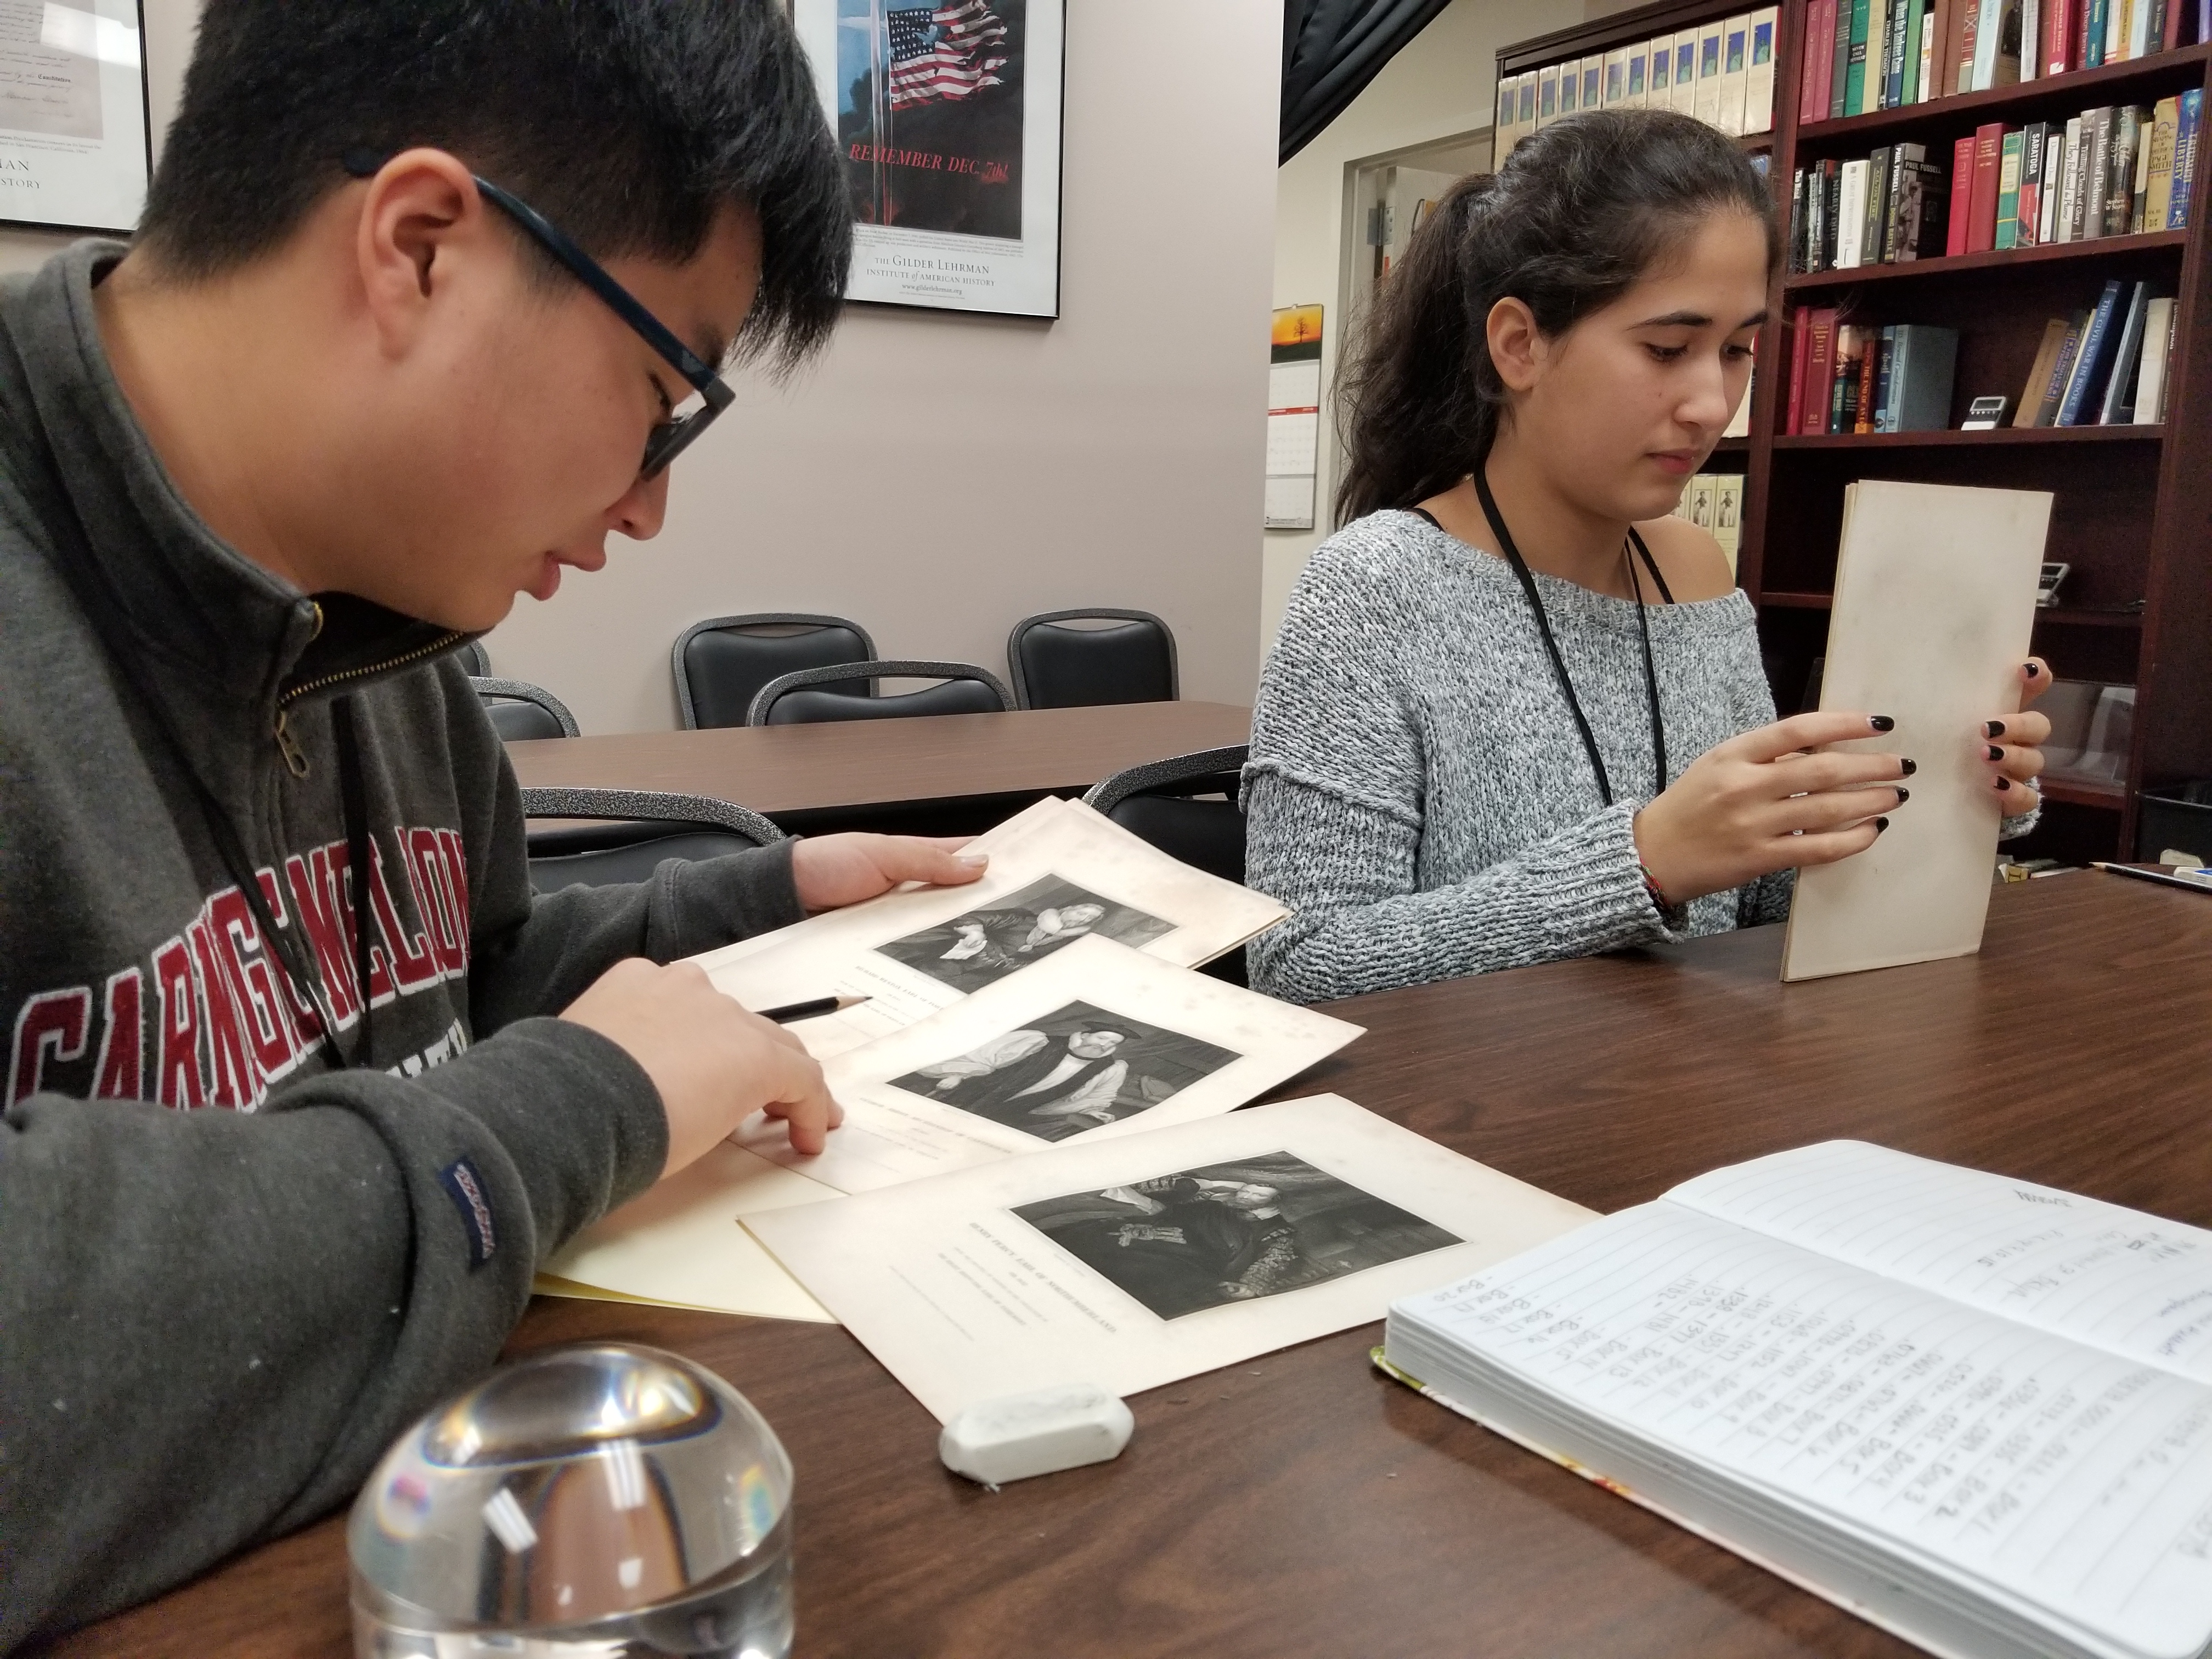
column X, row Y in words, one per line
column 983, row 946
column 930, row 114
column 1201, row 1238
column 1075, row 1069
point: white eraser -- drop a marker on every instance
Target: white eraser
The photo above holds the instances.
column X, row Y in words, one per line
column 996, row 1441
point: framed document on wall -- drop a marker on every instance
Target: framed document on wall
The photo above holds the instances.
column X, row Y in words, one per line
column 947, row 114
column 74, row 154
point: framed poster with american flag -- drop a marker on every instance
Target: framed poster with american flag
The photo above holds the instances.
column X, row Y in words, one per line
column 947, row 114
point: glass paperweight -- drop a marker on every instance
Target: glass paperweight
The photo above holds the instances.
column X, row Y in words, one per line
column 605, row 1500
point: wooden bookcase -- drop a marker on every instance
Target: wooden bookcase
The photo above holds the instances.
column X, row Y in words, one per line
column 2133, row 514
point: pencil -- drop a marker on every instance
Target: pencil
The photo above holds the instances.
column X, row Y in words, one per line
column 2162, row 875
column 814, row 1009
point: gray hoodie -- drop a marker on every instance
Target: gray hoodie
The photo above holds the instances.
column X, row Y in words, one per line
column 229, row 1273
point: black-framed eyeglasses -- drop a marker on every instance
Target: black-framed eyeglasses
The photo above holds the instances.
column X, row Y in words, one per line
column 668, row 438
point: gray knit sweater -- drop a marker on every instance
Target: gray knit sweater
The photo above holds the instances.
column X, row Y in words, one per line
column 1418, row 793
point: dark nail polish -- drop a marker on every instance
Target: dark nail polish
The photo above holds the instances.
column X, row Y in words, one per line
column 2004, row 783
column 1881, row 723
column 2032, row 669
column 1994, row 729
column 1880, row 824
column 1902, row 796
column 1910, row 767
column 1996, row 753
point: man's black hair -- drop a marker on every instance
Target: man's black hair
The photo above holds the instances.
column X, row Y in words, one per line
column 627, row 123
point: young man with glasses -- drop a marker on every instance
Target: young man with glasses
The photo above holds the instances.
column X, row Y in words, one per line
column 428, row 296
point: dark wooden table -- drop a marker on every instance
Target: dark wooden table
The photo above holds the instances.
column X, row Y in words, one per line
column 1303, row 1505
column 895, row 773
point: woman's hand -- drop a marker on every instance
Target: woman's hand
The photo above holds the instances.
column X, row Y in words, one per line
column 1766, row 801
column 831, row 871
column 2012, row 744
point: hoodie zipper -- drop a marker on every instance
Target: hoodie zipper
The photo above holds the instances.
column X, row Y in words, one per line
column 295, row 758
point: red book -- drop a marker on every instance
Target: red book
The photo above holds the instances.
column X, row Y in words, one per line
column 1869, row 378
column 2173, row 24
column 1962, row 175
column 1801, row 354
column 1819, row 63
column 1981, row 200
column 1821, row 372
column 2058, row 30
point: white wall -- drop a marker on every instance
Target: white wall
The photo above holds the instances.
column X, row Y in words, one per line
column 939, row 477
column 1444, row 82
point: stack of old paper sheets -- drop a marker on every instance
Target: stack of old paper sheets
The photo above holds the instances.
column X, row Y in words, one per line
column 1038, row 1180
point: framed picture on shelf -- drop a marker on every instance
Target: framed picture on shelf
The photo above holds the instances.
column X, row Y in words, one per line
column 948, row 122
column 74, row 154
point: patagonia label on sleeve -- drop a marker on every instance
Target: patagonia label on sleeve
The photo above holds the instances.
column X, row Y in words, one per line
column 466, row 1188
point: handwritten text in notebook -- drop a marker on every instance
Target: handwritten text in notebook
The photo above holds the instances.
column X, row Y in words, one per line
column 2134, row 1284
column 2071, row 1479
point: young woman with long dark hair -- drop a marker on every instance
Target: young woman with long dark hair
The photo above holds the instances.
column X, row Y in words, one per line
column 1516, row 712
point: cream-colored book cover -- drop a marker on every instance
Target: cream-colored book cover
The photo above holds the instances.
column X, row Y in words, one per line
column 1703, row 488
column 682, row 1243
column 2150, row 386
column 1728, row 514
column 1934, row 603
column 1616, row 78
column 1710, row 64
column 1735, row 72
column 1758, row 84
column 1684, row 91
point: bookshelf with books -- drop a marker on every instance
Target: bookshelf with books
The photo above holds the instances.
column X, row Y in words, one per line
column 2083, row 198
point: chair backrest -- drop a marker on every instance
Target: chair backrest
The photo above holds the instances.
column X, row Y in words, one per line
column 722, row 664
column 1056, row 666
column 521, row 711
column 1153, row 803
column 634, row 834
column 819, row 694
column 474, row 658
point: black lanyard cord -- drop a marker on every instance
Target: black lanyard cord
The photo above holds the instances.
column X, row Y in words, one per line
column 1552, row 645
column 1643, row 628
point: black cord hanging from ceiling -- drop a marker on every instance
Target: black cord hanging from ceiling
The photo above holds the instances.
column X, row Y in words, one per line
column 1331, row 50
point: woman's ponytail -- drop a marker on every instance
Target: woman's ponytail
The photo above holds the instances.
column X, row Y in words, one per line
column 1580, row 210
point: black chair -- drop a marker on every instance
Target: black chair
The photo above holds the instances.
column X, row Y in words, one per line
column 640, row 833
column 822, row 694
column 1055, row 666
column 474, row 658
column 521, row 711
column 722, row 664
column 1157, row 803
